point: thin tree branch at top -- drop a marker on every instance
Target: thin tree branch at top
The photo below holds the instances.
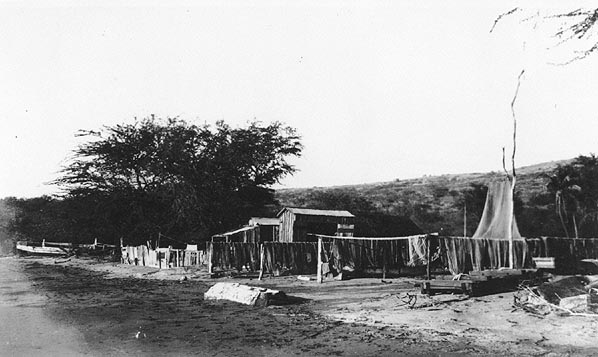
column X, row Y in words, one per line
column 515, row 120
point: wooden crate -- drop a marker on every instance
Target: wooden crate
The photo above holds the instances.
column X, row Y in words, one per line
column 432, row 287
column 544, row 262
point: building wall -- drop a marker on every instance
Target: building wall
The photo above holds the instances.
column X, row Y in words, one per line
column 287, row 221
column 294, row 228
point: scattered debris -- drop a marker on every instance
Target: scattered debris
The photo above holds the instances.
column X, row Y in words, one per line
column 562, row 287
column 578, row 303
column 140, row 334
column 420, row 301
column 304, row 278
column 569, row 295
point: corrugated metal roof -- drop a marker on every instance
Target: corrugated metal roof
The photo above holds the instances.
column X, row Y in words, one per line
column 234, row 232
column 266, row 221
column 317, row 212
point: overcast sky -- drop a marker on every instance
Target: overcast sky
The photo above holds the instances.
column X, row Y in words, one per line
column 378, row 90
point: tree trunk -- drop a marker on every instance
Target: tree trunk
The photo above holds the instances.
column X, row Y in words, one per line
column 563, row 223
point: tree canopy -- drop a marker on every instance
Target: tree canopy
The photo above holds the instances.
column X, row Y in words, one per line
column 176, row 178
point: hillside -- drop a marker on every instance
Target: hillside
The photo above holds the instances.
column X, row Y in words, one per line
column 436, row 203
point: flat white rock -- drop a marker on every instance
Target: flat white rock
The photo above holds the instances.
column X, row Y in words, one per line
column 243, row 294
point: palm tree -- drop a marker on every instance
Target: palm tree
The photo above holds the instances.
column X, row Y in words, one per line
column 566, row 196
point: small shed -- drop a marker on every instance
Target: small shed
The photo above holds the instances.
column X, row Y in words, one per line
column 296, row 223
column 266, row 228
column 258, row 229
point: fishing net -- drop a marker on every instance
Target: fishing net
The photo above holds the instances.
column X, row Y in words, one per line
column 368, row 253
column 462, row 255
column 294, row 258
column 489, row 248
column 495, row 218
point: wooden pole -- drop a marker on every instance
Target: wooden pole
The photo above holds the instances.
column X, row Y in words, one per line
column 465, row 221
column 261, row 262
column 514, row 175
column 510, row 227
column 384, row 261
column 210, row 253
column 319, row 276
column 428, row 275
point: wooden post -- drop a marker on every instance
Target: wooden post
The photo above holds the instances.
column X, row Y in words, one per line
column 465, row 221
column 319, row 276
column 510, row 227
column 261, row 261
column 210, row 253
column 384, row 260
column 428, row 257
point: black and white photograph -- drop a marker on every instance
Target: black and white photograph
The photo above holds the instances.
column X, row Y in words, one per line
column 298, row 178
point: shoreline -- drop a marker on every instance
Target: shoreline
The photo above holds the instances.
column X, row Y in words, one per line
column 110, row 304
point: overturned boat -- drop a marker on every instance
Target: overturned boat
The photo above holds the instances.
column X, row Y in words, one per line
column 43, row 248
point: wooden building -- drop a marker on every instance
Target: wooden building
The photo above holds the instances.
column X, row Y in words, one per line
column 267, row 228
column 296, row 223
column 258, row 229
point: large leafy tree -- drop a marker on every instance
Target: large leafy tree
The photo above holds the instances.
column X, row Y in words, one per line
column 179, row 179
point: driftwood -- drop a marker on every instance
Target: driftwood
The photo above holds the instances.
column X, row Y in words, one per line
column 539, row 301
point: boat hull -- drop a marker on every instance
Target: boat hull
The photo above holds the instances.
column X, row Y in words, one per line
column 33, row 250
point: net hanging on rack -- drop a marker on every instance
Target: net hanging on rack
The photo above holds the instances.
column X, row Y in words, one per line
column 495, row 218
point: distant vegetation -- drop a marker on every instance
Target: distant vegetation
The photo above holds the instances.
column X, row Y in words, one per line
column 7, row 234
column 161, row 176
column 552, row 199
column 437, row 203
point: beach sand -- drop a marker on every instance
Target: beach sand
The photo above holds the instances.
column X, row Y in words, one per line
column 85, row 307
column 25, row 327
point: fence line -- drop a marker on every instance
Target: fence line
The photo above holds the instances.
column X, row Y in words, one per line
column 162, row 258
column 457, row 254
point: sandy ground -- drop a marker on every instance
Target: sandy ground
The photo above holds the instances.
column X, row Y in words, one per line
column 83, row 307
column 25, row 329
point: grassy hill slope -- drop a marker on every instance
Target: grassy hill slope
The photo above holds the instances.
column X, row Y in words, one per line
column 437, row 203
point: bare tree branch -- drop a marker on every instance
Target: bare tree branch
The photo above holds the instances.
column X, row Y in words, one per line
column 515, row 120
column 501, row 16
column 579, row 25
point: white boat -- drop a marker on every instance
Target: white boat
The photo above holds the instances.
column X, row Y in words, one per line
column 36, row 249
